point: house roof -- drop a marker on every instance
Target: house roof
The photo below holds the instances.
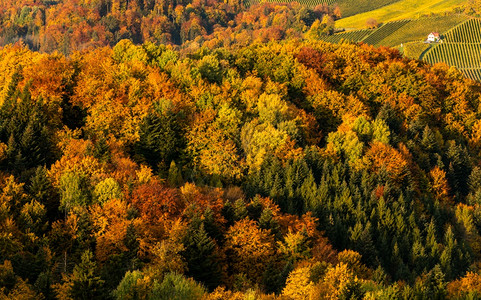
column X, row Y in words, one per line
column 436, row 34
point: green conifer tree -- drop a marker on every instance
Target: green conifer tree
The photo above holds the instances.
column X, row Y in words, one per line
column 86, row 284
column 201, row 256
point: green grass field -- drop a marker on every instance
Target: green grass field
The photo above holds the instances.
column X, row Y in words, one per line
column 415, row 49
column 418, row 29
column 404, row 9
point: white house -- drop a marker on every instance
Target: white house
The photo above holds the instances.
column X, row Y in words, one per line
column 433, row 37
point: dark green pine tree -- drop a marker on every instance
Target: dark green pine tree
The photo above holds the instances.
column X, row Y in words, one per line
column 308, row 191
column 361, row 241
column 101, row 150
column 41, row 190
column 255, row 209
column 433, row 285
column 240, row 210
column 475, row 179
column 174, row 177
column 474, row 196
column 391, row 117
column 399, row 270
column 289, row 181
column 267, row 221
column 24, row 127
column 432, row 247
column 276, row 193
column 211, row 226
column 319, row 206
column 200, row 254
column 453, row 259
column 459, row 169
column 428, row 141
column 161, row 139
column 86, row 284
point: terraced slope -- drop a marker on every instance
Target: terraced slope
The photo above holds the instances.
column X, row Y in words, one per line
column 467, row 32
column 404, row 9
column 384, row 31
column 353, row 36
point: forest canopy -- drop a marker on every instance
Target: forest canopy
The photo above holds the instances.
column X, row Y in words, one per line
column 290, row 169
column 70, row 25
column 218, row 150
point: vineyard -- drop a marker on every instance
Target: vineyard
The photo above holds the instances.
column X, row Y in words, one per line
column 368, row 36
column 353, row 36
column 461, row 55
column 361, row 6
column 418, row 29
column 461, row 48
column 403, row 9
column 467, row 32
column 406, row 25
column 474, row 73
column 384, row 31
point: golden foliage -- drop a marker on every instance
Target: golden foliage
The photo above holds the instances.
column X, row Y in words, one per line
column 221, row 293
column 249, row 248
column 382, row 156
column 335, row 280
column 471, row 282
column 110, row 223
column 86, row 165
column 439, row 185
column 298, row 285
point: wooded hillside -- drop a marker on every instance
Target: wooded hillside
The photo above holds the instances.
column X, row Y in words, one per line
column 69, row 25
column 286, row 169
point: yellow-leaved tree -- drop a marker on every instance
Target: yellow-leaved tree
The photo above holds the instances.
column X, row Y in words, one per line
column 249, row 248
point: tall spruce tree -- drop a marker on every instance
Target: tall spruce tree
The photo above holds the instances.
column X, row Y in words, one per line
column 200, row 254
column 24, row 128
column 161, row 138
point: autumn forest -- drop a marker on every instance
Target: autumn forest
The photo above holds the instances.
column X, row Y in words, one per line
column 214, row 150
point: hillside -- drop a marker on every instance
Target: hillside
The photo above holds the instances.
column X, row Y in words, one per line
column 74, row 25
column 467, row 32
column 271, row 170
column 384, row 31
column 404, row 9
column 419, row 29
column 461, row 48
column 348, row 8
column 353, row 36
column 211, row 150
